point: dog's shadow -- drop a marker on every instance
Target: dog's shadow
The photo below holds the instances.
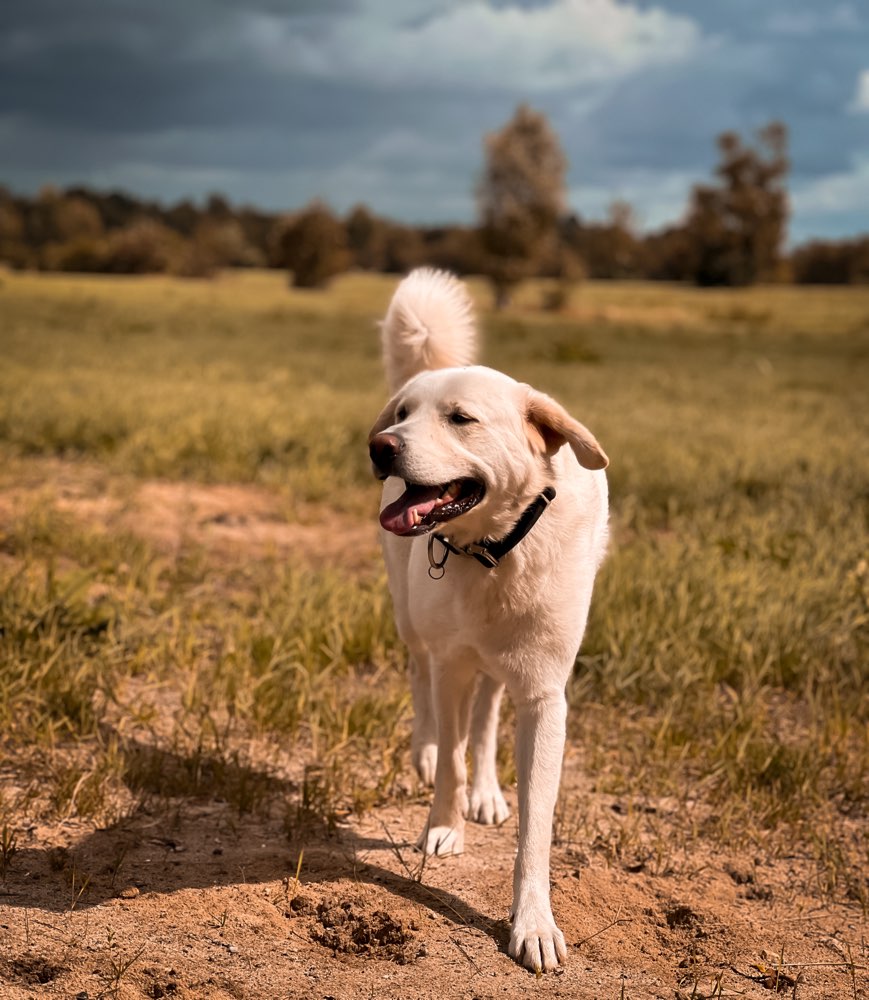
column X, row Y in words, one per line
column 176, row 841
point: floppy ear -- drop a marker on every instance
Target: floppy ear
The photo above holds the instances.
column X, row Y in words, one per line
column 386, row 418
column 550, row 426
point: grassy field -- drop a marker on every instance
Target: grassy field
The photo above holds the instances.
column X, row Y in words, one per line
column 726, row 664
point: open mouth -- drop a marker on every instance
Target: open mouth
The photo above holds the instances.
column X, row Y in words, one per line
column 421, row 508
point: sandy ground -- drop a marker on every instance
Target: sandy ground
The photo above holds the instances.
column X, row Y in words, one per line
column 225, row 519
column 197, row 902
column 202, row 904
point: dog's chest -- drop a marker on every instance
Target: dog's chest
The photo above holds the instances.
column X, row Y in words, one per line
column 472, row 605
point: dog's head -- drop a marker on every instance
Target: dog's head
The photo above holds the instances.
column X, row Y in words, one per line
column 470, row 444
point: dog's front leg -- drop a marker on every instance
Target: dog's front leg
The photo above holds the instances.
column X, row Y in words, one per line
column 445, row 830
column 486, row 803
column 540, row 731
column 423, row 742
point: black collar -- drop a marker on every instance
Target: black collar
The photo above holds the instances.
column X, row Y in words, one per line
column 490, row 554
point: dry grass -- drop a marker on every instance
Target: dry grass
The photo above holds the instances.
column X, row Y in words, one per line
column 725, row 663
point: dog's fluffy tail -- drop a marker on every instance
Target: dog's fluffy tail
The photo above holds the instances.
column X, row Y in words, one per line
column 429, row 324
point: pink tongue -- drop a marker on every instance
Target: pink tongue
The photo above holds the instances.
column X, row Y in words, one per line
column 398, row 516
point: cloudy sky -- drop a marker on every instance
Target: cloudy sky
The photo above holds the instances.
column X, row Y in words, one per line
column 274, row 102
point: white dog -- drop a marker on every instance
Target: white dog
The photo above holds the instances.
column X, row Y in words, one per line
column 495, row 521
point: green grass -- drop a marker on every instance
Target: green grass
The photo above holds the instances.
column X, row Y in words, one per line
column 726, row 655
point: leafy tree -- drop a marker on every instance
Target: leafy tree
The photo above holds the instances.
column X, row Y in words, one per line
column 313, row 246
column 737, row 227
column 521, row 196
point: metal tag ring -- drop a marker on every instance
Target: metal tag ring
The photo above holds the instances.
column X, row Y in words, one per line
column 436, row 569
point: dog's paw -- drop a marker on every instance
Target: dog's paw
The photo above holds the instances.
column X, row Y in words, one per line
column 425, row 760
column 537, row 944
column 486, row 805
column 442, row 840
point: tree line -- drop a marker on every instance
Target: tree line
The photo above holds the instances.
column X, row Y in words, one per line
column 732, row 233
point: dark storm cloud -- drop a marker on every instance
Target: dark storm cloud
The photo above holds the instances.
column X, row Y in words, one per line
column 131, row 66
column 276, row 102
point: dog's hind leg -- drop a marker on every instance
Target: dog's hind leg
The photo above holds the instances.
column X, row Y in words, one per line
column 423, row 741
column 445, row 831
column 486, row 802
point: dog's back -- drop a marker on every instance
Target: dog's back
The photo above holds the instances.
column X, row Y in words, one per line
column 429, row 325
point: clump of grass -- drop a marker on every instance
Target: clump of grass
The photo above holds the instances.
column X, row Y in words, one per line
column 288, row 665
column 301, row 656
column 8, row 849
column 52, row 642
column 118, row 964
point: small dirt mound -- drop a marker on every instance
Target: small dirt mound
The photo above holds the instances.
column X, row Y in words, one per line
column 344, row 929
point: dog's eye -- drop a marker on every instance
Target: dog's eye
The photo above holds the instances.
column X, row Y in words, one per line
column 401, row 413
column 457, row 417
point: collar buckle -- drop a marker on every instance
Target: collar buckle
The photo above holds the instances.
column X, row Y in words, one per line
column 481, row 553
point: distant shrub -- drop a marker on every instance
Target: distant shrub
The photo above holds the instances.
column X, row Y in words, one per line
column 568, row 268
column 193, row 261
column 313, row 246
column 226, row 244
column 143, row 247
column 11, row 222
column 214, row 244
column 455, row 248
column 13, row 250
column 366, row 238
column 86, row 254
column 75, row 218
column 17, row 255
column 609, row 250
column 823, row 262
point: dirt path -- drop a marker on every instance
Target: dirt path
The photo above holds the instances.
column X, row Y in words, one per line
column 195, row 901
column 202, row 904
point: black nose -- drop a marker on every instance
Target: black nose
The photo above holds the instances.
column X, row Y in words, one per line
column 384, row 449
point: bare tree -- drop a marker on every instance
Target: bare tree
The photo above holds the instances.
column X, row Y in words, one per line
column 521, row 197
